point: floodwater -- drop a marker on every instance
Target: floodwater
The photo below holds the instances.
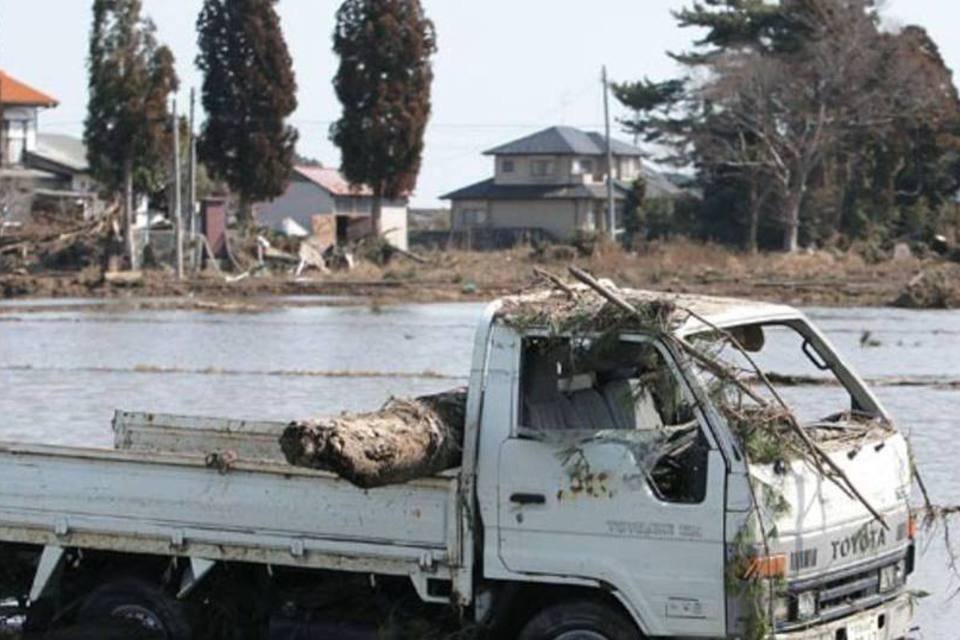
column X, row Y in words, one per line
column 64, row 370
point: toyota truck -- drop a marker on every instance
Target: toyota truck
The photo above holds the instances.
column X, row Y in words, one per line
column 603, row 494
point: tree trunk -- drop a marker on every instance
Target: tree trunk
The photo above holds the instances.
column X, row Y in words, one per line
column 754, row 230
column 245, row 214
column 404, row 440
column 128, row 214
column 791, row 231
column 376, row 213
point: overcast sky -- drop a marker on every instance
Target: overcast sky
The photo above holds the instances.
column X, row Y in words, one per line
column 504, row 68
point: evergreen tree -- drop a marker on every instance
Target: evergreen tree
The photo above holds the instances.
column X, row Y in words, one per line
column 130, row 78
column 249, row 90
column 384, row 85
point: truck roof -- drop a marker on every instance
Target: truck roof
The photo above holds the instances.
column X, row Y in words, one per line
column 587, row 310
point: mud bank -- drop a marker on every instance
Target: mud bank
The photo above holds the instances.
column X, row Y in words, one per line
column 809, row 279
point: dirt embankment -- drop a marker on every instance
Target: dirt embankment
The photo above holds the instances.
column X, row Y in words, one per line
column 820, row 278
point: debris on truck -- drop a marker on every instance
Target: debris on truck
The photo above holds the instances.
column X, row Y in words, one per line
column 404, row 440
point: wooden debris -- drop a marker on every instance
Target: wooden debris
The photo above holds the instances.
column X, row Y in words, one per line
column 405, row 440
column 123, row 278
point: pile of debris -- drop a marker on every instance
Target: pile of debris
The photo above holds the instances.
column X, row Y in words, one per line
column 52, row 247
column 934, row 288
column 297, row 256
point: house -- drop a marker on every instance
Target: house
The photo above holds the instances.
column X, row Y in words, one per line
column 554, row 181
column 45, row 170
column 320, row 201
column 21, row 106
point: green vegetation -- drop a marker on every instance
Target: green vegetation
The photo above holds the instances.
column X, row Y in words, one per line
column 249, row 90
column 384, row 84
column 806, row 124
column 131, row 76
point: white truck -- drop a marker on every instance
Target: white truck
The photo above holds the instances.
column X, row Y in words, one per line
column 574, row 515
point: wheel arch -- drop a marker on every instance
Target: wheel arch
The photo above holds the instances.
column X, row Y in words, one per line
column 515, row 603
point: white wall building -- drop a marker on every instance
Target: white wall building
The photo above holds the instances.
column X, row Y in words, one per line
column 321, row 202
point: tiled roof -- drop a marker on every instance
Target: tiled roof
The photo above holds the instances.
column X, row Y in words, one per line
column 564, row 141
column 333, row 181
column 14, row 92
column 489, row 190
column 658, row 186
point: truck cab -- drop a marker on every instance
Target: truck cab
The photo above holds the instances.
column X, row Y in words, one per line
column 605, row 462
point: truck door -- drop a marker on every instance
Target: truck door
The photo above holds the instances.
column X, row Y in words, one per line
column 609, row 475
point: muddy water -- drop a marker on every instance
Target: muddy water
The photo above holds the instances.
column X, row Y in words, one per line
column 63, row 371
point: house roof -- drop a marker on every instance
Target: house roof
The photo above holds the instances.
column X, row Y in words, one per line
column 490, row 190
column 14, row 92
column 564, row 141
column 332, row 180
column 65, row 151
column 658, row 186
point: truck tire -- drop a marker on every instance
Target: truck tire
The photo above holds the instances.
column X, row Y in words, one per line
column 131, row 600
column 580, row 620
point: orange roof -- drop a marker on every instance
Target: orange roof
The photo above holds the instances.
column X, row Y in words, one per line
column 14, row 92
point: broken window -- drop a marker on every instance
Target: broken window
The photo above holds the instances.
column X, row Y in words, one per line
column 829, row 404
column 792, row 363
column 621, row 391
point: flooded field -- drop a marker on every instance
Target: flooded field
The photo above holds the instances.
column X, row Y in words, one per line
column 63, row 371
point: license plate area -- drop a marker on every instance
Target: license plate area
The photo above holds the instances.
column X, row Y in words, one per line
column 863, row 630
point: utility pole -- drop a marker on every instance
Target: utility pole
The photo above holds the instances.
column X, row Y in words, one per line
column 193, row 178
column 611, row 211
column 177, row 203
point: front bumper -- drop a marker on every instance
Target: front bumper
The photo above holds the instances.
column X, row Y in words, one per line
column 889, row 621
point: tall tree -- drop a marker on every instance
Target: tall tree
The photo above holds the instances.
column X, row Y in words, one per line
column 384, row 83
column 785, row 98
column 249, row 91
column 131, row 76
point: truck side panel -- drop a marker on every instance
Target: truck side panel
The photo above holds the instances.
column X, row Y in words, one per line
column 257, row 513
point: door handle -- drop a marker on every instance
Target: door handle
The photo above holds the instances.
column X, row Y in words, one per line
column 528, row 498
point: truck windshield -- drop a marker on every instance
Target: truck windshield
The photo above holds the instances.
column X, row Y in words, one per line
column 793, row 365
column 619, row 392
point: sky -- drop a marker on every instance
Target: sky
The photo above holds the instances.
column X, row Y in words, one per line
column 504, row 68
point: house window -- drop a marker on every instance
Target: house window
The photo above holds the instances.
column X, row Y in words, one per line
column 507, row 166
column 474, row 217
column 541, row 168
column 583, row 166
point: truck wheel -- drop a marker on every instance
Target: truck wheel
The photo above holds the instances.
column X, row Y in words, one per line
column 580, row 620
column 135, row 601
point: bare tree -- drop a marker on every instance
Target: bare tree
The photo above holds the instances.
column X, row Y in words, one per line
column 778, row 117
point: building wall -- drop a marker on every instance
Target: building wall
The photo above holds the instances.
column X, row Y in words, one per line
column 301, row 201
column 561, row 218
column 523, row 170
column 394, row 221
column 567, row 169
column 19, row 133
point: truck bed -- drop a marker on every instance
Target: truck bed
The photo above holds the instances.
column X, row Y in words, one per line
column 262, row 511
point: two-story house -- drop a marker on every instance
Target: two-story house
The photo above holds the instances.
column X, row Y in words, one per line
column 20, row 104
column 554, row 181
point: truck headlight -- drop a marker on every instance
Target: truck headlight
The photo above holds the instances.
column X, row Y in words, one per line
column 806, row 605
column 893, row 576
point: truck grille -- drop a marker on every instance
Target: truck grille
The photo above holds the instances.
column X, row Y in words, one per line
column 849, row 590
column 846, row 591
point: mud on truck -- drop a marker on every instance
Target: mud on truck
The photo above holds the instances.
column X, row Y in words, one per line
column 627, row 470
